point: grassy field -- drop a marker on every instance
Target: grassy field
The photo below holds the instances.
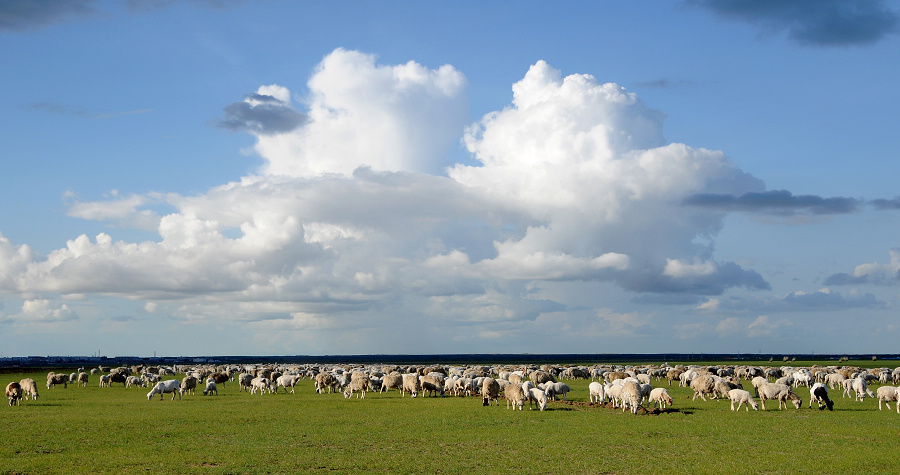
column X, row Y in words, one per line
column 117, row 430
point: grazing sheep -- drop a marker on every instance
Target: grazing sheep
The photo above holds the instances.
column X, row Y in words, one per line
column 539, row 377
column 244, row 380
column 742, row 397
column 53, row 379
column 171, row 386
column 14, row 393
column 285, row 381
column 258, row 385
column 188, row 384
column 859, row 386
column 780, row 392
column 632, row 396
column 538, row 397
column 687, row 377
column 490, row 390
column 431, row 384
column 410, row 385
column 614, row 392
column 835, row 379
column 673, row 375
column 888, row 394
column 514, row 396
column 129, row 381
column 558, row 388
column 358, row 382
column 390, row 381
column 211, row 388
column 82, row 379
column 220, row 378
column 597, row 392
column 660, row 397
column 120, row 375
column 703, row 385
column 325, row 381
column 818, row 392
column 29, row 388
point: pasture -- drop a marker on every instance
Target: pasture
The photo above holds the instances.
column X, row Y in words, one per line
column 117, row 430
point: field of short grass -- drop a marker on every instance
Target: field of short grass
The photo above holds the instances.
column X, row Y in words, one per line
column 115, row 430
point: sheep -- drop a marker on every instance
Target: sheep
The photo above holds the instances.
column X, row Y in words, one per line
column 410, row 385
column 104, row 381
column 834, row 379
column 758, row 381
column 285, row 381
column 53, row 379
column 490, row 390
column 148, row 378
column 818, row 392
column 887, row 394
column 660, row 397
column 258, row 385
column 14, row 393
column 358, row 382
column 781, row 392
column 558, row 388
column 390, row 381
column 539, row 377
column 597, row 392
column 210, row 388
column 171, row 386
column 188, row 384
column 29, row 389
column 703, row 385
column 244, row 380
column 742, row 397
column 631, row 395
column 614, row 392
column 325, row 381
column 82, row 379
column 687, row 377
column 129, row 381
column 514, row 396
column 673, row 374
column 120, row 375
column 220, row 378
column 432, row 383
column 538, row 397
column 859, row 386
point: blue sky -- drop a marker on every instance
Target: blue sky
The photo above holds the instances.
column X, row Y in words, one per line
column 227, row 177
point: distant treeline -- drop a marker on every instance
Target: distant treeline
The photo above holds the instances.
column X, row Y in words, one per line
column 461, row 359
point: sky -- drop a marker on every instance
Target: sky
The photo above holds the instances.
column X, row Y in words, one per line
column 188, row 178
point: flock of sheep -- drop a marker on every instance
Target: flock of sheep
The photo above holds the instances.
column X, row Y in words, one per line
column 625, row 387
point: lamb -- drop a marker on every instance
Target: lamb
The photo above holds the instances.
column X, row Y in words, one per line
column 210, row 388
column 631, row 395
column 53, row 379
column 171, row 386
column 490, row 389
column 888, row 394
column 14, row 393
column 82, row 379
column 659, row 396
column 257, row 385
column 104, row 381
column 597, row 392
column 818, row 392
column 29, row 389
column 188, row 384
column 410, row 385
column 781, row 392
column 514, row 396
column 742, row 397
column 538, row 397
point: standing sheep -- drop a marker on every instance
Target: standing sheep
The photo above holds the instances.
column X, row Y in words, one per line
column 780, row 392
column 597, row 392
column 82, row 379
column 819, row 393
column 410, row 384
column 631, row 394
column 390, row 381
column 742, row 397
column 210, row 388
column 171, row 386
column 431, row 384
column 53, row 379
column 490, row 390
column 537, row 397
column 29, row 388
column 188, row 384
column 888, row 394
column 659, row 396
column 514, row 396
column 703, row 385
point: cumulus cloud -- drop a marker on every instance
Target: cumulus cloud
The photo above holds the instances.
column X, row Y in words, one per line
column 870, row 273
column 816, row 23
column 265, row 112
column 43, row 311
column 825, row 299
column 125, row 211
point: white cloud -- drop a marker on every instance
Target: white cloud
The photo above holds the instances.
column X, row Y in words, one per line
column 763, row 326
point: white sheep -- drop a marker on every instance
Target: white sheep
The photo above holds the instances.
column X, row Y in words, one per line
column 490, row 389
column 431, row 384
column 129, row 381
column 703, row 385
column 538, row 397
column 558, row 388
column 742, row 397
column 359, row 382
column 859, row 386
column 597, row 392
column 171, row 386
column 660, row 397
column 53, row 379
column 410, row 385
column 82, row 379
column 188, row 385
column 210, row 388
column 29, row 388
column 259, row 385
column 390, row 381
column 818, row 392
column 780, row 392
column 888, row 394
column 632, row 396
column 285, row 381
column 14, row 393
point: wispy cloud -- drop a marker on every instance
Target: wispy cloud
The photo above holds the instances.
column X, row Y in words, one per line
column 34, row 14
column 813, row 22
column 775, row 202
column 78, row 111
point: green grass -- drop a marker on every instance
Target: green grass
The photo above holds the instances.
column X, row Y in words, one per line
column 116, row 430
